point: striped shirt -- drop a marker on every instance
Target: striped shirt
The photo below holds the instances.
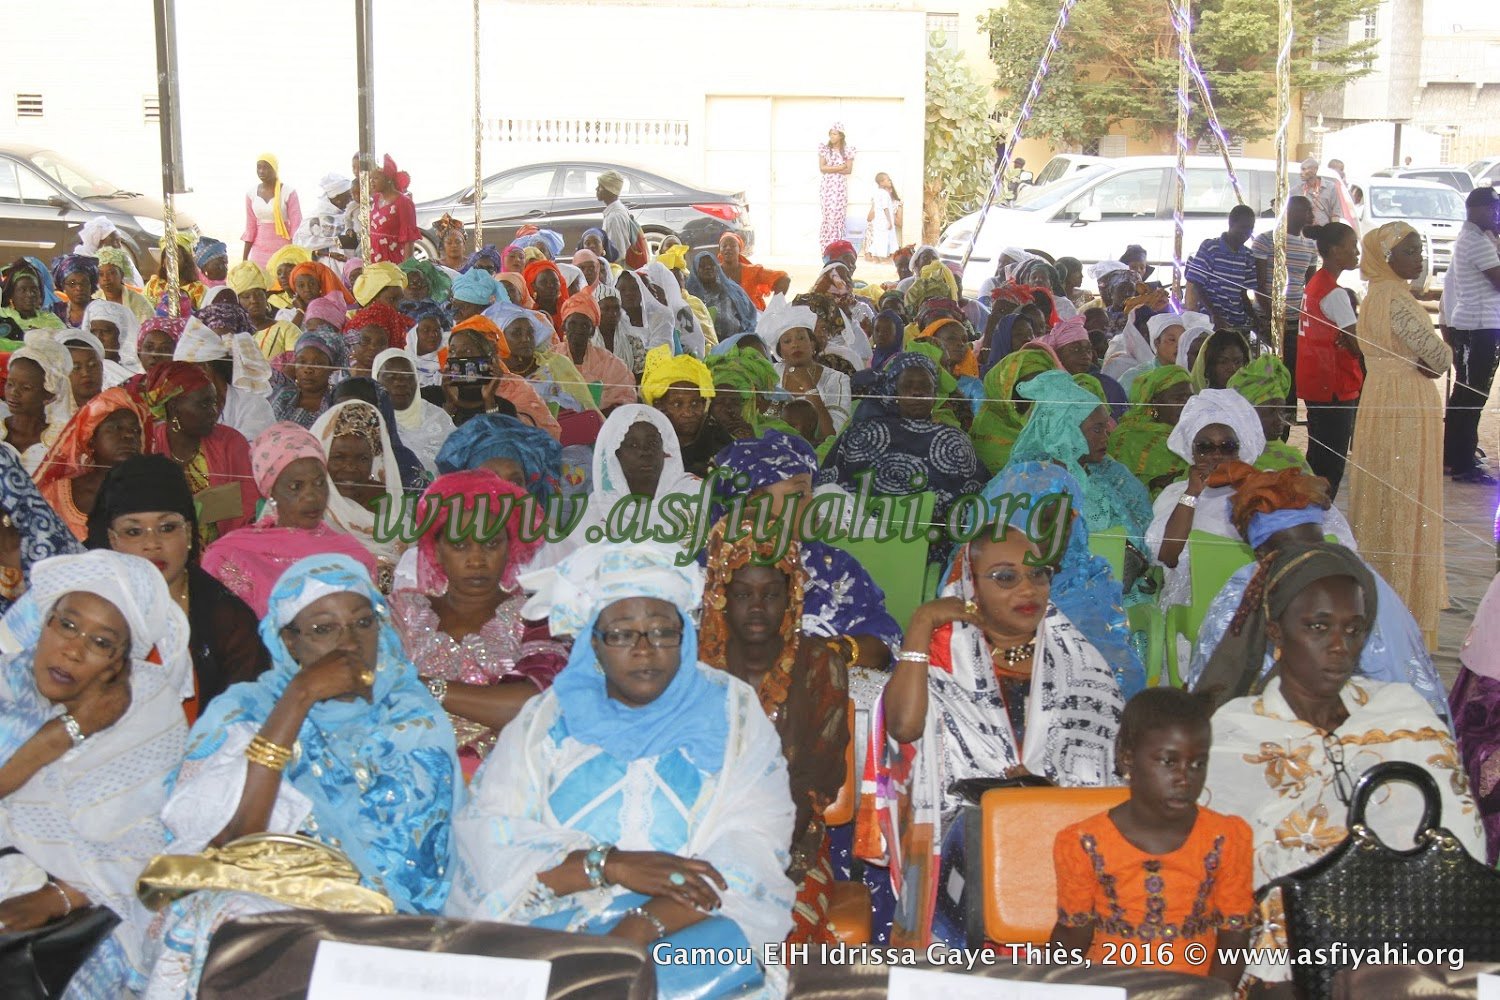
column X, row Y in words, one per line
column 1301, row 259
column 1226, row 274
column 1473, row 302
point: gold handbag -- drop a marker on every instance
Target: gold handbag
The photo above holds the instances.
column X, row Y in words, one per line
column 288, row 868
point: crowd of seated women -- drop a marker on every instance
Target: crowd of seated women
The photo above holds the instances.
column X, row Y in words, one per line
column 348, row 614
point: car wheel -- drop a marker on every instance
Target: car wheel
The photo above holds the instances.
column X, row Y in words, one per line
column 424, row 249
column 654, row 240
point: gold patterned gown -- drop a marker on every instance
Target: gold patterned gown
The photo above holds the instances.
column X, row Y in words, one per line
column 1396, row 462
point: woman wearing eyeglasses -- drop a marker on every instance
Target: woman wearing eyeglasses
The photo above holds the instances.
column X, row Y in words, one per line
column 145, row 508
column 1287, row 758
column 644, row 795
column 993, row 681
column 340, row 741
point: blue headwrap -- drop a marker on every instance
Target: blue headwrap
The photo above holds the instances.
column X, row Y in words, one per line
column 1084, row 588
column 426, row 309
column 486, row 252
column 72, row 263
column 549, row 238
column 729, row 295
column 43, row 533
column 498, row 435
column 382, row 775
column 478, row 288
column 690, row 714
column 229, row 314
column 1001, row 341
column 610, row 253
column 209, row 249
column 1263, row 526
column 772, row 458
column 330, row 342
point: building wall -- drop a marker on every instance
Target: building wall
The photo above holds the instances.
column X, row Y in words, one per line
column 280, row 77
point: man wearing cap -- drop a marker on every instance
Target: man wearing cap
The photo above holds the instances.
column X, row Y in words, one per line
column 1472, row 293
column 321, row 231
column 1324, row 196
column 619, row 225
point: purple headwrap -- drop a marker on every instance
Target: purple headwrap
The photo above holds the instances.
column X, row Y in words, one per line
column 227, row 317
column 765, row 461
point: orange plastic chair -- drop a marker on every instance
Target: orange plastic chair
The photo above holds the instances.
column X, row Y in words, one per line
column 849, row 906
column 1013, row 865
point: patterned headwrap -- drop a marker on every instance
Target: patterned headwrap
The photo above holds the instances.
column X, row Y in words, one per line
column 764, row 461
column 487, row 252
column 663, row 369
column 227, row 317
column 466, row 488
column 163, row 324
column 116, row 258
column 74, row 263
column 327, row 341
column 1267, row 502
column 359, row 421
column 438, row 283
column 1262, row 379
column 885, row 387
column 164, row 383
column 499, row 435
column 426, row 309
column 392, row 321
column 935, row 282
column 209, row 249
column 278, row 446
column 724, row 559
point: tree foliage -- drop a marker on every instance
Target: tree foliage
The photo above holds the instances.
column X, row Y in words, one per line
column 1117, row 64
column 959, row 153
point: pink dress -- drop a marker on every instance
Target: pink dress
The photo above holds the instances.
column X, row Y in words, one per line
column 260, row 224
column 834, row 194
column 506, row 648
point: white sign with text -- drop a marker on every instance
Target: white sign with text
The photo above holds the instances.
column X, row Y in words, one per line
column 344, row 971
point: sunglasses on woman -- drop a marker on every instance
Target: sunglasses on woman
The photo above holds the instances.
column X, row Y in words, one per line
column 1230, row 447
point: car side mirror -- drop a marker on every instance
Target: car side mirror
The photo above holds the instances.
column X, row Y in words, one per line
column 1090, row 213
column 59, row 202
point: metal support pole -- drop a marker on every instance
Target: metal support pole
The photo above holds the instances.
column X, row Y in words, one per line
column 1283, row 182
column 364, row 74
column 1182, row 18
column 478, row 143
column 171, row 140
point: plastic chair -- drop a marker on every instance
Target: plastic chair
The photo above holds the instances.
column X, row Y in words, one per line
column 898, row 567
column 1109, row 545
column 849, row 904
column 1212, row 559
column 1013, row 829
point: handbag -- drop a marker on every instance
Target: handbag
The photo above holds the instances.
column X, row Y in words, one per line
column 38, row 964
column 1364, row 894
column 289, row 868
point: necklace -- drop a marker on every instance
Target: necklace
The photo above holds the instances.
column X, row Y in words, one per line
column 1018, row 654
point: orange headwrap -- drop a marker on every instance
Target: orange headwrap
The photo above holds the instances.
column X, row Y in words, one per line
column 516, row 285
column 327, row 280
column 970, row 364
column 580, row 302
column 486, row 328
column 1258, row 492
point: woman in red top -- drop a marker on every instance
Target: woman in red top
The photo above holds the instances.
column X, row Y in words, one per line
column 1330, row 364
column 393, row 217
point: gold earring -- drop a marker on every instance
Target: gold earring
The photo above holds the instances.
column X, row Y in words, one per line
column 174, row 424
column 1275, row 654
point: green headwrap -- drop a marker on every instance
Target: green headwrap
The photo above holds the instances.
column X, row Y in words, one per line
column 746, row 371
column 1213, row 345
column 1052, row 432
column 935, row 282
column 438, row 283
column 1262, row 379
column 999, row 423
column 1140, row 441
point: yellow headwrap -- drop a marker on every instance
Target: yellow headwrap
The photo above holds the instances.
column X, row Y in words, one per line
column 276, row 216
column 289, row 254
column 675, row 257
column 532, row 253
column 663, row 368
column 374, row 279
column 247, row 275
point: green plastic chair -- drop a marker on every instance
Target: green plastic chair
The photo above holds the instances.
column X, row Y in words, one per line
column 1109, row 545
column 1213, row 559
column 900, row 568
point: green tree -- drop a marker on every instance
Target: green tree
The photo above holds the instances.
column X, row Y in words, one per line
column 959, row 154
column 1117, row 63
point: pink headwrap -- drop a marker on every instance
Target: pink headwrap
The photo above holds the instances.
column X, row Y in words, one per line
column 329, row 308
column 468, row 486
column 1069, row 331
column 350, row 266
column 278, row 446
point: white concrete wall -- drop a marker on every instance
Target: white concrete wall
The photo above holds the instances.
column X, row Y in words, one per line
column 278, row 76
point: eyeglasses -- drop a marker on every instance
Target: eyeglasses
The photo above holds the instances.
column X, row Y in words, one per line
column 627, row 638
column 1230, row 447
column 1008, row 578
column 97, row 647
column 1343, row 782
column 165, row 530
column 333, row 631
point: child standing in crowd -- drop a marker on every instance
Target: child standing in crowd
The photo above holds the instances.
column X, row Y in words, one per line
column 1139, row 884
column 884, row 233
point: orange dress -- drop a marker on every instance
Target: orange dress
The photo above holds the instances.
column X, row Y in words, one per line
column 1136, row 901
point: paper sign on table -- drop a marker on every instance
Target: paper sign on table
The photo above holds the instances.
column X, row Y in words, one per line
column 344, row 971
column 923, row 984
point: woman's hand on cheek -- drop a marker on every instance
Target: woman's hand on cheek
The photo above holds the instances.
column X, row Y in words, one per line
column 104, row 701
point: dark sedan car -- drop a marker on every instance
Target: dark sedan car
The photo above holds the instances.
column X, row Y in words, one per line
column 560, row 196
column 46, row 198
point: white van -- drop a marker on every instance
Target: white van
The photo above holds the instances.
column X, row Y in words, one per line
column 1095, row 212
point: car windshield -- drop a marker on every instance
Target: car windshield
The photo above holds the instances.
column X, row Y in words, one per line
column 1034, row 199
column 1416, row 203
column 73, row 177
column 1477, row 167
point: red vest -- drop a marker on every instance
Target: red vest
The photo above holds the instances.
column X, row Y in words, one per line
column 1325, row 372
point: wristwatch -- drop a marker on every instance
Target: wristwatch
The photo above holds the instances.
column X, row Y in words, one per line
column 75, row 731
column 1187, row 500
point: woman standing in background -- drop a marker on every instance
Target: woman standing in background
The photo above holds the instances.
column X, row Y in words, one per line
column 272, row 213
column 884, row 234
column 835, row 163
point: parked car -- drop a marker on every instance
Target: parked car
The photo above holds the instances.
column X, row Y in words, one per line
column 1485, row 171
column 1434, row 210
column 1455, row 177
column 1096, row 211
column 45, row 198
column 560, row 196
column 1064, row 164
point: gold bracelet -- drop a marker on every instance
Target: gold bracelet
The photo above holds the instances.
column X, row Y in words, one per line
column 267, row 754
column 853, row 648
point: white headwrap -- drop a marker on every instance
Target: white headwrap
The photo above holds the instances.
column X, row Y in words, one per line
column 57, row 365
column 1158, row 324
column 92, row 817
column 570, row 594
column 689, row 330
column 411, row 417
column 1104, row 267
column 200, row 344
column 1191, row 334
column 1218, row 406
column 781, row 316
column 354, row 518
column 125, row 321
column 656, row 319
column 114, row 373
column 334, row 185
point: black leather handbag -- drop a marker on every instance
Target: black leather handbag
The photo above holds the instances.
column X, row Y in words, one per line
column 1365, row 895
column 38, row 964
